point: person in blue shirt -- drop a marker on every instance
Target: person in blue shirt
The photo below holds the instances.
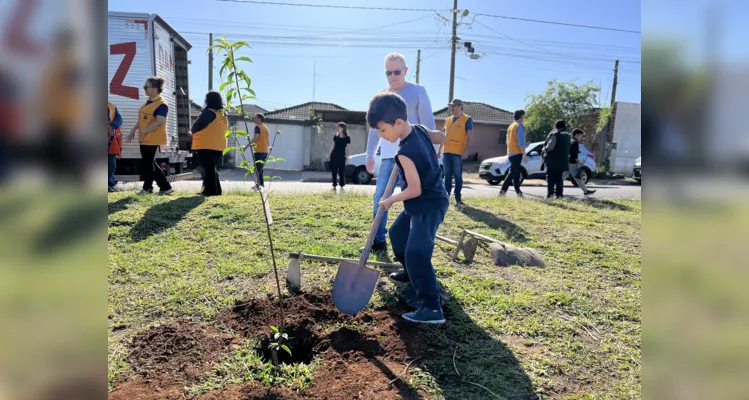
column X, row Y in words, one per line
column 114, row 146
column 424, row 198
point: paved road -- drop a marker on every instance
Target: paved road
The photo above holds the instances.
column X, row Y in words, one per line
column 534, row 189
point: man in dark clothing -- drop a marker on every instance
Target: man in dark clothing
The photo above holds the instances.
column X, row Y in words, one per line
column 557, row 154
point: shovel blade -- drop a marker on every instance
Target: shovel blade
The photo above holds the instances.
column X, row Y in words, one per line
column 353, row 287
column 294, row 274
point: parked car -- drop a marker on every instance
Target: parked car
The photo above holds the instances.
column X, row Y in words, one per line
column 356, row 169
column 495, row 170
column 637, row 170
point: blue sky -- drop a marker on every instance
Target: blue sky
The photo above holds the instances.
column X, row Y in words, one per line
column 346, row 47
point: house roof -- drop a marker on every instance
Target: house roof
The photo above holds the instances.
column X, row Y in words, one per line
column 195, row 109
column 301, row 112
column 251, row 109
column 479, row 112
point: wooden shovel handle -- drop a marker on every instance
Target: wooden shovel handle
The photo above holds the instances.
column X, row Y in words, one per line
column 378, row 218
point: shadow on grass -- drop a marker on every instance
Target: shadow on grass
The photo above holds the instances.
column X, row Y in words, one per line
column 164, row 216
column 71, row 225
column 479, row 358
column 511, row 230
column 608, row 205
column 119, row 205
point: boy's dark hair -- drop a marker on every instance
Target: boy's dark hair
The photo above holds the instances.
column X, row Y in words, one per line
column 214, row 100
column 560, row 125
column 519, row 114
column 157, row 82
column 261, row 116
column 577, row 131
column 386, row 107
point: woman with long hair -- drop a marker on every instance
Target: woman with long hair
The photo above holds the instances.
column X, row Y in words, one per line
column 338, row 154
column 209, row 140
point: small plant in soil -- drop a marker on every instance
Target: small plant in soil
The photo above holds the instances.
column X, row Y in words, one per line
column 279, row 343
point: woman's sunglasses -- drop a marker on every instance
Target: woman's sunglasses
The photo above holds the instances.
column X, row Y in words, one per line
column 397, row 72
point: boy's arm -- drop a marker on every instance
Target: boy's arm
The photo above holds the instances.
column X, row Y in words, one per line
column 414, row 184
column 437, row 136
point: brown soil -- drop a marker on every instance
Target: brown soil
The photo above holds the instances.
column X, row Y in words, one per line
column 354, row 364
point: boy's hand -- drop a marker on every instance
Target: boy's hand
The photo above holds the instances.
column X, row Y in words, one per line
column 370, row 165
column 387, row 203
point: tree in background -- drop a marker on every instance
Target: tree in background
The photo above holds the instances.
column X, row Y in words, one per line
column 569, row 101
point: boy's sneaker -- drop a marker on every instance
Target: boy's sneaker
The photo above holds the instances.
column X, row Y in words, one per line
column 377, row 248
column 400, row 276
column 425, row 316
column 166, row 192
column 144, row 192
column 589, row 192
column 111, row 189
column 459, row 201
column 502, row 193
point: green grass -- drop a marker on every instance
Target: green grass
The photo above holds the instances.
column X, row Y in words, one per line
column 571, row 329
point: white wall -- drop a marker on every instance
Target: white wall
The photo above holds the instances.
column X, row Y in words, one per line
column 627, row 129
column 289, row 145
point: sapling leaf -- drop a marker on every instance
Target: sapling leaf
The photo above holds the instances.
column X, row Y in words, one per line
column 274, row 328
column 229, row 150
column 286, row 348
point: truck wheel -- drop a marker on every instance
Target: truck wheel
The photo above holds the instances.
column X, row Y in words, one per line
column 494, row 182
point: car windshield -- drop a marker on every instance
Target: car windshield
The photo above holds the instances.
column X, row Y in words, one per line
column 534, row 146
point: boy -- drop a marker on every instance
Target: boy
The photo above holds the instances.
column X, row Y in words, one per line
column 424, row 198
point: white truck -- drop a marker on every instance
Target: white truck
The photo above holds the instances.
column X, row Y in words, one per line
column 140, row 46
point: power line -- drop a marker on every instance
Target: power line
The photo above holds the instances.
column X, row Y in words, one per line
column 331, row 6
column 545, row 50
column 557, row 23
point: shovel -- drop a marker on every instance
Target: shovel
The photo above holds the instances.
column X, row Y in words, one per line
column 355, row 283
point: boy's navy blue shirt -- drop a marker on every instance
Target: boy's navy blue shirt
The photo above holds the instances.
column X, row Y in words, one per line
column 418, row 147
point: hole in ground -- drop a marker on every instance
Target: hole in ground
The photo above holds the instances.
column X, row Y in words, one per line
column 302, row 343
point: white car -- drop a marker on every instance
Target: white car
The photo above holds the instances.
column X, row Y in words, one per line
column 494, row 170
column 637, row 170
column 357, row 170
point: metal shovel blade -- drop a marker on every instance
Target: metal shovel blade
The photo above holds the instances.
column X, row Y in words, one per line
column 353, row 287
column 294, row 274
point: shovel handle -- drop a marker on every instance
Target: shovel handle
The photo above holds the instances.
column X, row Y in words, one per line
column 378, row 218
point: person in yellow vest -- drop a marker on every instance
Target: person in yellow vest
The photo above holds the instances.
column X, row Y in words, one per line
column 209, row 140
column 260, row 140
column 152, row 126
column 515, row 153
column 458, row 129
column 114, row 122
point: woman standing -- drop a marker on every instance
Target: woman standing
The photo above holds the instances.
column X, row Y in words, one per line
column 557, row 154
column 152, row 126
column 114, row 120
column 209, row 140
column 338, row 154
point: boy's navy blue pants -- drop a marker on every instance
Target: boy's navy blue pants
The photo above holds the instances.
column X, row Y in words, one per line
column 412, row 238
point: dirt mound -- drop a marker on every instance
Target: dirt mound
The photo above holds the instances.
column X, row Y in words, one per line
column 360, row 356
column 184, row 350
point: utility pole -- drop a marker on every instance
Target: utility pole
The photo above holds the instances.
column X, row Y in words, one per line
column 607, row 130
column 210, row 63
column 452, row 55
column 418, row 64
column 314, row 78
